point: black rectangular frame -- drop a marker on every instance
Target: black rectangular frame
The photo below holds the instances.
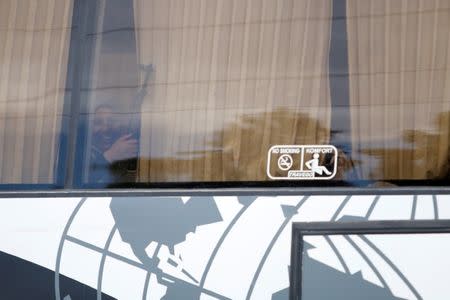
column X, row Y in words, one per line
column 301, row 229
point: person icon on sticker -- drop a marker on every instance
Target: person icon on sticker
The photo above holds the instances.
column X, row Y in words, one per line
column 313, row 165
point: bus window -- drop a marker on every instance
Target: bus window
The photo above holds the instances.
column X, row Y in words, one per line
column 399, row 88
column 200, row 91
column 152, row 92
column 207, row 87
column 34, row 47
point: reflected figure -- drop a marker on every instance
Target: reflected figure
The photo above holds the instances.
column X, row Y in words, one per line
column 416, row 155
column 345, row 169
column 109, row 146
column 237, row 151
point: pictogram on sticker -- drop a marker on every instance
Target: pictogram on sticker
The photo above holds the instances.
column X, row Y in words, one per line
column 285, row 162
column 302, row 162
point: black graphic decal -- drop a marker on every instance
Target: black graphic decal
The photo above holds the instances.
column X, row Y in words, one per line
column 21, row 279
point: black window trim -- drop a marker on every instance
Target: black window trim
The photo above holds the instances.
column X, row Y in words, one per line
column 301, row 229
column 242, row 191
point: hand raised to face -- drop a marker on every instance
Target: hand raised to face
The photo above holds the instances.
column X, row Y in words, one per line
column 123, row 148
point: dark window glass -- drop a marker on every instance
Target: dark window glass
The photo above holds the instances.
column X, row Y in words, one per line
column 199, row 91
column 127, row 92
column 34, row 47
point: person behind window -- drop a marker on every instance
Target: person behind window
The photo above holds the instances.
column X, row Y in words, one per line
column 109, row 147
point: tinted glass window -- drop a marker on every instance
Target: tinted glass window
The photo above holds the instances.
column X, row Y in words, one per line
column 34, row 47
column 399, row 88
column 200, row 91
column 204, row 91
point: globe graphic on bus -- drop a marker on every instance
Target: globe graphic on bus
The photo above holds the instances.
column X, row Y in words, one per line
column 195, row 248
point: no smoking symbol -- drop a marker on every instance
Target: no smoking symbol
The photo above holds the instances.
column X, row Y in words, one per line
column 285, row 162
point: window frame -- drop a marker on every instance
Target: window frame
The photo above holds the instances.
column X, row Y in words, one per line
column 302, row 229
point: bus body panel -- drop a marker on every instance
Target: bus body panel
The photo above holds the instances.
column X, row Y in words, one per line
column 208, row 247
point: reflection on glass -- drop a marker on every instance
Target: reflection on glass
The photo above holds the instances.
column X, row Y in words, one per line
column 399, row 84
column 198, row 91
column 110, row 147
column 34, row 47
column 112, row 111
column 375, row 266
column 220, row 93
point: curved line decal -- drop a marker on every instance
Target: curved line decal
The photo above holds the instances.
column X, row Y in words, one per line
column 102, row 262
column 146, row 284
column 61, row 245
column 272, row 243
column 392, row 265
column 368, row 261
column 330, row 242
column 372, row 207
column 414, row 207
column 338, row 254
column 435, row 208
column 246, row 205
